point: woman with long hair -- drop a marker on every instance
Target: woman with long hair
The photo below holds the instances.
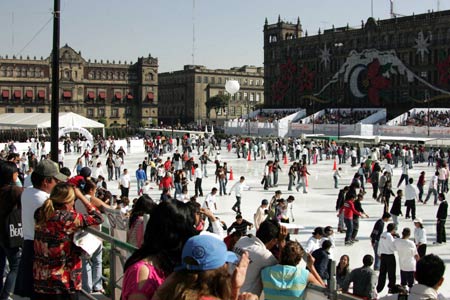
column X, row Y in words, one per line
column 135, row 233
column 420, row 237
column 57, row 261
column 170, row 225
column 9, row 199
column 92, row 266
column 78, row 166
column 342, row 270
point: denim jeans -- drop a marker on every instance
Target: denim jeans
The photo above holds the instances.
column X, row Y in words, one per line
column 92, row 271
column 140, row 185
column 222, row 188
column 117, row 169
column 376, row 265
column 178, row 189
column 349, row 225
column 13, row 256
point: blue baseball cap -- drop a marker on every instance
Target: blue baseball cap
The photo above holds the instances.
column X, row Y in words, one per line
column 206, row 252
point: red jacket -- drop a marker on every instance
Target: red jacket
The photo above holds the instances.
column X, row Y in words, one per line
column 349, row 210
column 166, row 182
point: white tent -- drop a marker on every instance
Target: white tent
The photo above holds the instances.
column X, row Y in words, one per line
column 43, row 120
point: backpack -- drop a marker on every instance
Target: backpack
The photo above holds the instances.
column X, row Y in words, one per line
column 13, row 228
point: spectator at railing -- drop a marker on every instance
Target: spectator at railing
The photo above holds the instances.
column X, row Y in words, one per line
column 437, row 118
column 335, row 116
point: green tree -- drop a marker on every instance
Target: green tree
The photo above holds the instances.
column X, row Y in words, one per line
column 216, row 102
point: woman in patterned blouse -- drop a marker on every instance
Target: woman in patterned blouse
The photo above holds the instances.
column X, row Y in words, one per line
column 57, row 261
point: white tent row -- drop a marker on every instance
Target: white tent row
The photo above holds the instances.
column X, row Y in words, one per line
column 43, row 120
column 68, row 120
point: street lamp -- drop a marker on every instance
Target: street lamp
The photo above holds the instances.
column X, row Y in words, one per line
column 427, row 100
column 232, row 87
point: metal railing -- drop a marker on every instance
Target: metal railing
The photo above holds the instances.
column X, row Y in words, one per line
column 118, row 252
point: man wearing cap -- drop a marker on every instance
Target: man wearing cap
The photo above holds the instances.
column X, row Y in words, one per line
column 44, row 178
column 261, row 213
column 441, row 217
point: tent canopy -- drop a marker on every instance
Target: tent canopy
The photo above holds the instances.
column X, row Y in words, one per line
column 43, row 120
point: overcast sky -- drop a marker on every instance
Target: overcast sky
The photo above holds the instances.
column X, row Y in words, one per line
column 227, row 33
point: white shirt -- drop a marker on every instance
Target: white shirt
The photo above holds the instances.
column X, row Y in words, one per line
column 31, row 200
column 198, row 173
column 433, row 182
column 388, row 168
column 386, row 243
column 260, row 258
column 210, row 202
column 312, row 244
column 238, row 187
column 406, row 251
column 410, row 192
column 125, row 180
column 420, row 236
column 259, row 216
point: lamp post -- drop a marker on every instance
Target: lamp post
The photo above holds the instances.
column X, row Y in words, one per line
column 232, row 87
column 427, row 100
column 55, row 83
column 313, row 116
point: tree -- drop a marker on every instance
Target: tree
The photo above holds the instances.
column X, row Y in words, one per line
column 216, row 102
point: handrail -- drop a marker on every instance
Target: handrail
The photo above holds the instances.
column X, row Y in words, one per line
column 116, row 246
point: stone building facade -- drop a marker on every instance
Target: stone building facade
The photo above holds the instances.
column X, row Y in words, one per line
column 113, row 93
column 183, row 93
column 396, row 63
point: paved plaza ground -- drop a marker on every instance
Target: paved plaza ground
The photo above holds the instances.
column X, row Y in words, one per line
column 316, row 208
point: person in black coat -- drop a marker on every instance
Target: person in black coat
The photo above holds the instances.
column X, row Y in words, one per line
column 441, row 217
column 322, row 259
column 396, row 209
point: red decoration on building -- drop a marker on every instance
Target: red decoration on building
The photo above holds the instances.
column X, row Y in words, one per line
column 375, row 82
column 305, row 80
column 444, row 71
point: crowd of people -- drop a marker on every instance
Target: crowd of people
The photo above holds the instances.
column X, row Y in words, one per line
column 335, row 116
column 185, row 251
column 432, row 118
column 264, row 116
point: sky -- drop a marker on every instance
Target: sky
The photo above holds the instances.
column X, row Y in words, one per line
column 227, row 33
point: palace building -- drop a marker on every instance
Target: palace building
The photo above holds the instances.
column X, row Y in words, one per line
column 114, row 93
column 397, row 64
column 183, row 94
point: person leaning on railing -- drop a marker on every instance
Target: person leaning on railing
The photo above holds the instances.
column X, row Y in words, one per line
column 57, row 262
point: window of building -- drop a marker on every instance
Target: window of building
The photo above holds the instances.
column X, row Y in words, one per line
column 252, row 97
column 258, row 97
column 205, row 79
column 90, row 112
column 219, row 80
column 245, row 96
column 251, row 81
column 232, row 111
column 9, row 110
column 41, row 110
column 115, row 113
column 28, row 110
column 257, row 82
column 128, row 110
column 199, row 79
column 101, row 112
column 213, row 80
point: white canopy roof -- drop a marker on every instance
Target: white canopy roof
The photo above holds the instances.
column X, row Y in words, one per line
column 43, row 120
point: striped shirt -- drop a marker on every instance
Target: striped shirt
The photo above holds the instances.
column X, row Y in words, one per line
column 283, row 282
